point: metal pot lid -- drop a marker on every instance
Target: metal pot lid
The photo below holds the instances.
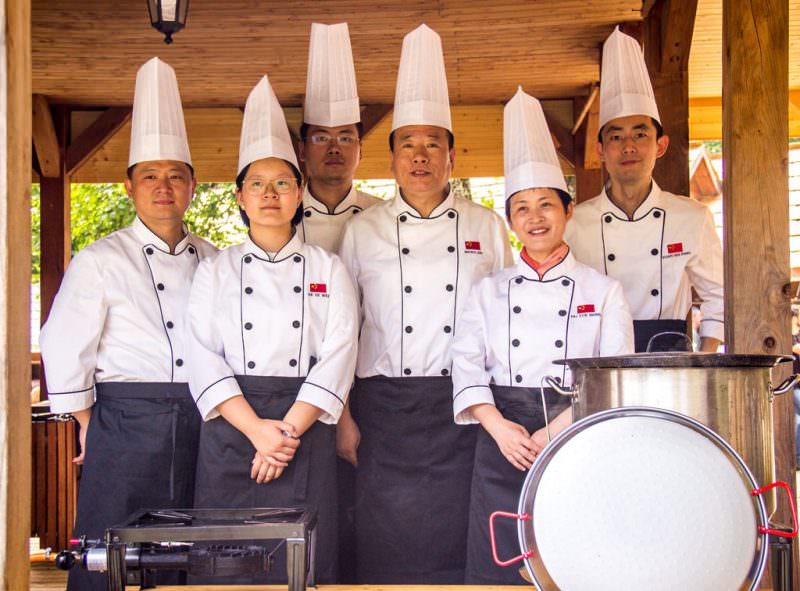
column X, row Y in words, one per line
column 674, row 359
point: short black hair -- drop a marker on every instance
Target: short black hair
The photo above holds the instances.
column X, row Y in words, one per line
column 304, row 130
column 129, row 172
column 656, row 124
column 451, row 140
column 298, row 214
column 565, row 197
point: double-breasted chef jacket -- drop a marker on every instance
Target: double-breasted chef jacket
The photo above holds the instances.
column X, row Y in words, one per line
column 669, row 246
column 414, row 463
column 115, row 339
column 514, row 325
column 277, row 328
column 323, row 228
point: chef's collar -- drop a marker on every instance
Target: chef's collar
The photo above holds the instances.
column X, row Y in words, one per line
column 309, row 201
column 565, row 267
column 644, row 207
column 294, row 245
column 147, row 236
column 399, row 205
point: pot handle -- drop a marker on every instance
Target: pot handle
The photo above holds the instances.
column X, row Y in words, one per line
column 671, row 333
column 492, row 517
column 551, row 381
column 777, row 532
column 787, row 384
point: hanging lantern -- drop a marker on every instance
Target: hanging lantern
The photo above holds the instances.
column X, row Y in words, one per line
column 168, row 16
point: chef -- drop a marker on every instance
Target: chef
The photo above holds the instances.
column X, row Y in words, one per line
column 113, row 346
column 658, row 245
column 330, row 148
column 515, row 323
column 273, row 324
column 414, row 259
column 330, row 145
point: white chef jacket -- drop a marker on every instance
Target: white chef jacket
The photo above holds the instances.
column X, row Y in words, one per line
column 292, row 314
column 515, row 325
column 325, row 229
column 119, row 315
column 413, row 274
column 669, row 246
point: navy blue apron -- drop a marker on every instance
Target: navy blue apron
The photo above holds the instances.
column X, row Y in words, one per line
column 412, row 482
column 223, row 475
column 644, row 330
column 496, row 486
column 141, row 449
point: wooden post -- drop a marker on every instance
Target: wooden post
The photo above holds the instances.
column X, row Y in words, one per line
column 55, row 220
column 15, row 278
column 588, row 168
column 755, row 191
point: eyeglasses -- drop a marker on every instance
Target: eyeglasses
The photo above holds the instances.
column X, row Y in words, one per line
column 259, row 187
column 320, row 138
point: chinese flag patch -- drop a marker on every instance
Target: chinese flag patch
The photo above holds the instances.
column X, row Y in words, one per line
column 317, row 288
column 472, row 245
column 675, row 248
column 585, row 308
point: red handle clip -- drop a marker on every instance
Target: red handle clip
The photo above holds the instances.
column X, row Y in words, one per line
column 775, row 532
column 497, row 561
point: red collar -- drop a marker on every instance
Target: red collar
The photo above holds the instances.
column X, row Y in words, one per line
column 551, row 261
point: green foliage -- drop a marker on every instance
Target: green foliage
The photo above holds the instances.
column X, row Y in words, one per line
column 214, row 214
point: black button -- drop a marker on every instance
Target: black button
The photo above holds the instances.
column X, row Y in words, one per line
column 515, row 342
column 248, row 290
column 409, row 329
column 247, row 259
column 403, row 218
column 407, row 371
column 517, row 309
column 160, row 287
column 297, row 289
column 451, row 214
column 248, row 325
column 407, row 289
column 565, row 282
column 148, row 250
column 518, row 280
column 169, row 324
column 656, row 214
column 179, row 362
column 449, row 287
column 296, row 324
column 251, row 364
column 307, row 213
column 191, row 250
column 611, row 257
column 654, row 252
column 562, row 312
column 451, row 249
column 447, row 329
column 293, row 362
column 404, row 251
column 608, row 219
column 445, row 372
column 518, row 378
column 559, row 343
column 654, row 292
column 297, row 259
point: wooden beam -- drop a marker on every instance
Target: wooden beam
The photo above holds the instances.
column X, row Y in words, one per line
column 594, row 93
column 755, row 57
column 588, row 180
column 794, row 98
column 44, row 137
column 647, row 5
column 591, row 159
column 677, row 27
column 95, row 136
column 371, row 117
column 562, row 138
column 15, row 277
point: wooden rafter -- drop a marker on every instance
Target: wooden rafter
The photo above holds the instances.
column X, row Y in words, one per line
column 97, row 134
column 594, row 92
column 371, row 117
column 44, row 137
column 563, row 140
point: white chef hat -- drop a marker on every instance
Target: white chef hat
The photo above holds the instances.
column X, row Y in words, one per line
column 264, row 130
column 157, row 128
column 331, row 93
column 529, row 156
column 625, row 87
column 421, row 97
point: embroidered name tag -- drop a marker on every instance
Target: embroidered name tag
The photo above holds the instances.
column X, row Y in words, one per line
column 585, row 308
column 472, row 246
column 584, row 311
column 318, row 289
column 675, row 250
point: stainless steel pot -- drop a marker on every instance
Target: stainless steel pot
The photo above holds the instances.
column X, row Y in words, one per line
column 731, row 394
